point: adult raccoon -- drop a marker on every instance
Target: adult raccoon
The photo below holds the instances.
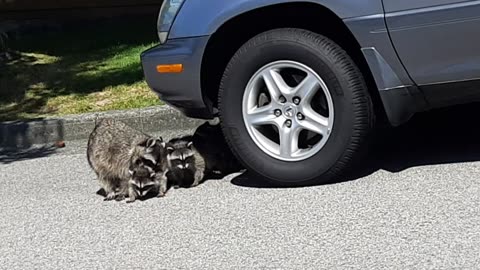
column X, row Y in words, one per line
column 114, row 149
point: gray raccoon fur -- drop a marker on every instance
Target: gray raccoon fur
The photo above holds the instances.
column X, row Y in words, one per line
column 115, row 150
column 186, row 165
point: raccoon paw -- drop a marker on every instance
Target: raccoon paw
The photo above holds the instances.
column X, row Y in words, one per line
column 110, row 196
column 131, row 200
column 120, row 198
column 176, row 186
column 162, row 191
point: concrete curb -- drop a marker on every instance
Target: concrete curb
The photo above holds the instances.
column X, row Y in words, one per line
column 23, row 134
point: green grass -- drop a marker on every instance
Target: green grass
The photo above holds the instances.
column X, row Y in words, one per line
column 82, row 69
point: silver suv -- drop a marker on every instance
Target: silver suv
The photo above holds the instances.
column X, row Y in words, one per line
column 301, row 85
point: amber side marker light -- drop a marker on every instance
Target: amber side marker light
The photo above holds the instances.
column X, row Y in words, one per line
column 174, row 68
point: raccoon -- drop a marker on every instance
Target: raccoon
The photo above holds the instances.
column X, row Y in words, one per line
column 142, row 181
column 208, row 140
column 118, row 153
column 155, row 158
column 186, row 165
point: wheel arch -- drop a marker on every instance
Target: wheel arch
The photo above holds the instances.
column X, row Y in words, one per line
column 196, row 18
column 232, row 34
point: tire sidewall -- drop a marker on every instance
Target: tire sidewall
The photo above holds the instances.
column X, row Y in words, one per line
column 249, row 60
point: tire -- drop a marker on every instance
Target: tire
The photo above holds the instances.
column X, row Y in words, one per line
column 353, row 114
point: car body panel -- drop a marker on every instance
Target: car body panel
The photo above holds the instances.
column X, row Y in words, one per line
column 437, row 40
column 395, row 5
column 195, row 19
column 181, row 90
column 400, row 97
column 396, row 45
column 372, row 35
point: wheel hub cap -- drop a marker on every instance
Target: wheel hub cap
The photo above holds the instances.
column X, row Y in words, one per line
column 289, row 111
column 295, row 121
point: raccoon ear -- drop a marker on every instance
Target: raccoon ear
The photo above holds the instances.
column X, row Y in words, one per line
column 151, row 142
column 150, row 170
column 144, row 143
column 131, row 172
column 189, row 145
column 170, row 149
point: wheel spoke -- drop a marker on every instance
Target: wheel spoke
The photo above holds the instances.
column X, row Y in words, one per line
column 275, row 84
column 307, row 88
column 269, row 101
column 289, row 140
column 261, row 116
column 314, row 122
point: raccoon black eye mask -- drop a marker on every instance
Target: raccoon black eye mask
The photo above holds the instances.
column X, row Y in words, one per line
column 178, row 160
column 142, row 181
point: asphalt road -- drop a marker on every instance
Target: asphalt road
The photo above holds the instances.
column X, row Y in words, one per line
column 416, row 206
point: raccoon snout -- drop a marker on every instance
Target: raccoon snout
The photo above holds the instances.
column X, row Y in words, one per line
column 183, row 166
column 144, row 191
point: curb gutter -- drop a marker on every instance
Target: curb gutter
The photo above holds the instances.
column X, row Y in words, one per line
column 23, row 134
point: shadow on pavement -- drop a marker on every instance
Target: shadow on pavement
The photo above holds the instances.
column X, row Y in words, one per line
column 101, row 192
column 445, row 136
column 22, row 140
column 8, row 156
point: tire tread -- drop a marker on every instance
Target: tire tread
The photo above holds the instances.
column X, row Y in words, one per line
column 362, row 102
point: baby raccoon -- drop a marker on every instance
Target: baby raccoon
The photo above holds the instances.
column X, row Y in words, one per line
column 209, row 142
column 114, row 149
column 142, row 181
column 186, row 165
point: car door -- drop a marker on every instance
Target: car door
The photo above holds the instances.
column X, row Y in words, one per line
column 438, row 42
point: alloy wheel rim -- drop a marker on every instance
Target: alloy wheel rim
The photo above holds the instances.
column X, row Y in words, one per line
column 288, row 110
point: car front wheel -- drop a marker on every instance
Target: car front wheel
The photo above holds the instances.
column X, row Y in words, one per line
column 294, row 107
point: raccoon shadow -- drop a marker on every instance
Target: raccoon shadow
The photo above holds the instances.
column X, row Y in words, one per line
column 151, row 195
column 101, row 192
column 442, row 136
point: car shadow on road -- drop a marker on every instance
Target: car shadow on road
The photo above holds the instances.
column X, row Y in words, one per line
column 444, row 136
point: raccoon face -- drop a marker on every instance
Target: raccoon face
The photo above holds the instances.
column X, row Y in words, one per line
column 181, row 157
column 142, row 179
